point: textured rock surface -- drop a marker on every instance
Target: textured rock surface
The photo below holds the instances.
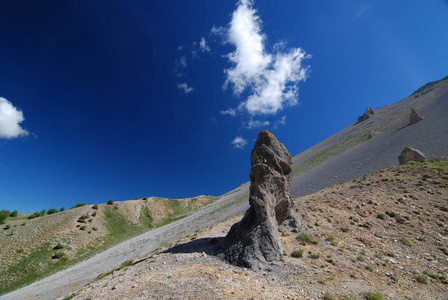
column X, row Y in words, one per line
column 410, row 154
column 366, row 115
column 414, row 117
column 254, row 242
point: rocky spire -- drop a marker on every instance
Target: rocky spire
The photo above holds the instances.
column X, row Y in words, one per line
column 254, row 242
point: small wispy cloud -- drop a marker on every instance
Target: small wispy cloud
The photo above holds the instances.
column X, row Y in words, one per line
column 182, row 62
column 203, row 45
column 239, row 142
column 230, row 112
column 256, row 123
column 185, row 88
column 271, row 78
column 10, row 119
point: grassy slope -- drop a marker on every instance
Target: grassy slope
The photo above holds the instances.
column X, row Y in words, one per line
column 84, row 231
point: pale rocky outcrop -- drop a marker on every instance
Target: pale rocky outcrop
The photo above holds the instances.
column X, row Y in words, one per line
column 410, row 154
column 414, row 117
column 254, row 242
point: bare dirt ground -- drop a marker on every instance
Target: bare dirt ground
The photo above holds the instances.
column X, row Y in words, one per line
column 385, row 232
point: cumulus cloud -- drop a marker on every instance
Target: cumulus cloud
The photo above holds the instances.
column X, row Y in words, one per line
column 203, row 45
column 270, row 78
column 10, row 119
column 185, row 88
column 239, row 142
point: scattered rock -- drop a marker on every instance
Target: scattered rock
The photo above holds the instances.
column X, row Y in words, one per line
column 410, row 154
column 372, row 134
column 254, row 242
column 366, row 115
column 414, row 117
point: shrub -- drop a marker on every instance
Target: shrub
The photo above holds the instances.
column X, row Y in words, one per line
column 61, row 209
column 18, row 251
column 32, row 217
column 297, row 253
column 57, row 255
column 406, row 242
column 422, row 279
column 59, row 246
column 306, row 239
column 381, row 216
column 3, row 215
column 52, row 211
column 110, row 202
column 80, row 204
column 328, row 297
column 374, row 296
column 6, row 227
column 314, row 255
column 83, row 227
column 343, row 229
column 94, row 214
column 14, row 214
column 95, row 206
column 23, row 224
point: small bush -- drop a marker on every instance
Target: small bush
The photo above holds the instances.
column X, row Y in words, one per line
column 61, row 209
column 6, row 227
column 381, row 216
column 32, row 217
column 306, row 239
column 95, row 206
column 110, row 202
column 83, row 227
column 94, row 229
column 52, row 211
column 58, row 246
column 14, row 214
column 23, row 224
column 422, row 279
column 343, row 229
column 3, row 215
column 58, row 255
column 374, row 296
column 94, row 214
column 314, row 255
column 406, row 242
column 297, row 253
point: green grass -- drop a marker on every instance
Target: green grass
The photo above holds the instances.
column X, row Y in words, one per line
column 31, row 267
column 123, row 265
column 374, row 296
column 306, row 239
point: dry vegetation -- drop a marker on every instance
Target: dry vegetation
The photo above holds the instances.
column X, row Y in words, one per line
column 381, row 236
column 34, row 248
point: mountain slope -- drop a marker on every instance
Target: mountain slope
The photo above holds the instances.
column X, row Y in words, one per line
column 350, row 153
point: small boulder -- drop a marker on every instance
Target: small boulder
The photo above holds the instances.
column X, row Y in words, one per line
column 414, row 117
column 410, row 154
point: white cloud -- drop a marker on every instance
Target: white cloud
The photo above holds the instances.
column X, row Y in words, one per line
column 272, row 79
column 185, row 88
column 203, row 45
column 230, row 112
column 256, row 123
column 239, row 142
column 182, row 62
column 10, row 118
column 218, row 30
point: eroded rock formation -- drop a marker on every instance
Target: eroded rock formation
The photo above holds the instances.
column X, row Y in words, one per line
column 254, row 242
column 366, row 115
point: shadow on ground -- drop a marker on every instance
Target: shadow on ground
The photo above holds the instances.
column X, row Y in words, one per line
column 211, row 246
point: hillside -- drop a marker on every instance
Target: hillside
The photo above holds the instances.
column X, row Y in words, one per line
column 33, row 248
column 376, row 143
column 359, row 149
column 382, row 233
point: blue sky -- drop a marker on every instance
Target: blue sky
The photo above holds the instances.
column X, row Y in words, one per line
column 122, row 99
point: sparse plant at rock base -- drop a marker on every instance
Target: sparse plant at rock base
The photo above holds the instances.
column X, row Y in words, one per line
column 297, row 253
column 304, row 239
column 374, row 296
column 422, row 279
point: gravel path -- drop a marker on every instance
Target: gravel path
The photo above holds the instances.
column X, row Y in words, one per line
column 73, row 278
